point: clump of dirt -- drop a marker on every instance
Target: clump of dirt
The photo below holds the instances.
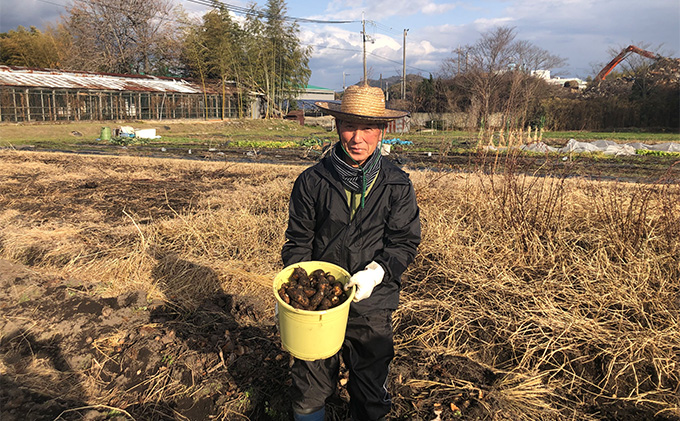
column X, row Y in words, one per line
column 467, row 386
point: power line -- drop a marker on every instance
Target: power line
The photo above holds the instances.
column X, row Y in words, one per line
column 252, row 12
column 151, row 16
column 368, row 52
column 231, row 8
column 261, row 13
column 56, row 4
column 383, row 28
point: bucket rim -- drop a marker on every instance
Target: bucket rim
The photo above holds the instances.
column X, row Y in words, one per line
column 314, row 312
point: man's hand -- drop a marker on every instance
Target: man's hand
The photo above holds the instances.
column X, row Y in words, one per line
column 365, row 281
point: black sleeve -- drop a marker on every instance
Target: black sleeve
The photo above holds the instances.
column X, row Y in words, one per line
column 301, row 222
column 402, row 234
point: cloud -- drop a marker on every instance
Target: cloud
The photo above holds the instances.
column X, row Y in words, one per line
column 433, row 8
column 28, row 13
column 581, row 31
column 352, row 9
column 424, row 48
column 485, row 24
column 338, row 50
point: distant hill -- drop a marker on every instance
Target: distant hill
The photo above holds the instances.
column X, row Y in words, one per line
column 392, row 80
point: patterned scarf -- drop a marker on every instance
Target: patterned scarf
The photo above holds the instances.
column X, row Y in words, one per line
column 356, row 179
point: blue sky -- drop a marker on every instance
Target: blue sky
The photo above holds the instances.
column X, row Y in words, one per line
column 580, row 31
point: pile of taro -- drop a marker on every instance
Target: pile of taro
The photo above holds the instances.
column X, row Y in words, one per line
column 316, row 291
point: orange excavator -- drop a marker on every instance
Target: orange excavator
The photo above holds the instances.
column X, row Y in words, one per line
column 619, row 58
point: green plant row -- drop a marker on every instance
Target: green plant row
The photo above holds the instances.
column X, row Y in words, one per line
column 263, row 143
column 311, row 142
column 125, row 141
column 656, row 153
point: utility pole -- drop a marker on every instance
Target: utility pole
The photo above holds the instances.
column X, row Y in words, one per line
column 343, row 80
column 403, row 70
column 363, row 33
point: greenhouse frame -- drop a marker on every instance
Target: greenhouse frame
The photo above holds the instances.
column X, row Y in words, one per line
column 54, row 95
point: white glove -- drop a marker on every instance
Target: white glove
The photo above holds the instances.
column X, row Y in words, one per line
column 365, row 281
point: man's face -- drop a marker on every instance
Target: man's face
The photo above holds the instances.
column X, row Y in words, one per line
column 359, row 139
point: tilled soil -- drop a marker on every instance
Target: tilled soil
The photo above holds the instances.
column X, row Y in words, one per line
column 643, row 168
column 65, row 347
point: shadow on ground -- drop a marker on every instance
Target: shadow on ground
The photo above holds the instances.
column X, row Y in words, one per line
column 67, row 352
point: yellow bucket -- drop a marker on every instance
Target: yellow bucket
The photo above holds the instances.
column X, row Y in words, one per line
column 312, row 335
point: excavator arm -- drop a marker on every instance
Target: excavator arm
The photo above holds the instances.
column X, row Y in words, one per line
column 619, row 58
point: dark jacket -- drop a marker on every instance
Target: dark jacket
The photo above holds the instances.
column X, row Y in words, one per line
column 386, row 230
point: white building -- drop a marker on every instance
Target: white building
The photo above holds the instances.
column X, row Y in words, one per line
column 545, row 74
column 316, row 93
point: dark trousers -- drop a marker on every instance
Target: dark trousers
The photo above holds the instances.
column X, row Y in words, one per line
column 367, row 352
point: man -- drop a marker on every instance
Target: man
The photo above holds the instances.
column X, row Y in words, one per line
column 359, row 211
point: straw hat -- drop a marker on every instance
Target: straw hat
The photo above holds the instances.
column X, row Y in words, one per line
column 362, row 104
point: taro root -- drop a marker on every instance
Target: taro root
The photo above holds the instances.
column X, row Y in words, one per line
column 337, row 289
column 305, row 282
column 316, row 291
column 295, row 304
column 298, row 273
column 298, row 295
column 316, row 300
column 284, row 295
column 325, row 304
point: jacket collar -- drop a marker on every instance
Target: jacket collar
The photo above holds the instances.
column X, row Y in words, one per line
column 389, row 173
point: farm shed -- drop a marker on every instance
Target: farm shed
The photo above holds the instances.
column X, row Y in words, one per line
column 50, row 95
column 316, row 93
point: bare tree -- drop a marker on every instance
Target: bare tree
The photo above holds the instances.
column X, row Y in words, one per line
column 488, row 59
column 124, row 36
column 523, row 86
column 496, row 73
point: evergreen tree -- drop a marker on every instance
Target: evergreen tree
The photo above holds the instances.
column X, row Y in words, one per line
column 263, row 55
column 32, row 47
column 285, row 60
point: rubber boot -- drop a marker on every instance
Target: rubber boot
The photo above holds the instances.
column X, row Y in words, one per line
column 319, row 415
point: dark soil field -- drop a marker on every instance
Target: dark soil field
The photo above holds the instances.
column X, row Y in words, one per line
column 131, row 348
column 645, row 168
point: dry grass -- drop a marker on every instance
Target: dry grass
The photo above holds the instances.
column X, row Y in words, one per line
column 144, row 218
column 567, row 290
column 571, row 282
